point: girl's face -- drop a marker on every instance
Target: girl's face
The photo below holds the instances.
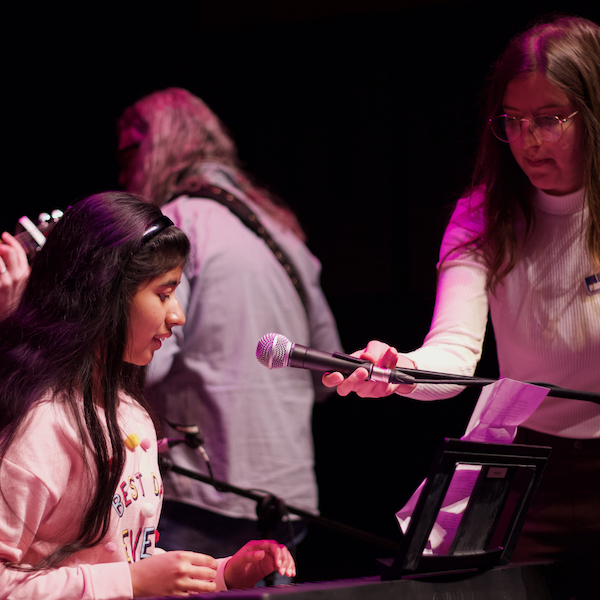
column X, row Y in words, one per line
column 554, row 167
column 154, row 311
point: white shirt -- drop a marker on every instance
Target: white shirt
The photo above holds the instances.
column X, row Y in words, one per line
column 546, row 323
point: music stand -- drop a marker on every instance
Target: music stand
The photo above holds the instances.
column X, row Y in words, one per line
column 494, row 515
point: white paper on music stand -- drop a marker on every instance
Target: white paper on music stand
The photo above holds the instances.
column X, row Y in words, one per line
column 501, row 408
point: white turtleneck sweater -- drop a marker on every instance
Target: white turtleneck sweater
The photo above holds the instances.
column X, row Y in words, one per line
column 546, row 322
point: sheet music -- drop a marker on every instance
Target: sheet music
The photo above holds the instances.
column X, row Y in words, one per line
column 501, row 408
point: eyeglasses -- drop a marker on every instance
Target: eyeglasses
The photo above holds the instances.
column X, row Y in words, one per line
column 548, row 128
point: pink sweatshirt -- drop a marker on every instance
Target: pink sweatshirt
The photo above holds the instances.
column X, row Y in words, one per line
column 44, row 491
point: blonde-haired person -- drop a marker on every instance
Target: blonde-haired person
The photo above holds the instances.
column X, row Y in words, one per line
column 256, row 423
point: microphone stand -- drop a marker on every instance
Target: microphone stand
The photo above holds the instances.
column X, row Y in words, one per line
column 432, row 377
column 271, row 509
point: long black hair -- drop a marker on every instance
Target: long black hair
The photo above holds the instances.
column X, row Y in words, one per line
column 69, row 332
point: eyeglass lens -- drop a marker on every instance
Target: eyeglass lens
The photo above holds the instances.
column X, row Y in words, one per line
column 509, row 129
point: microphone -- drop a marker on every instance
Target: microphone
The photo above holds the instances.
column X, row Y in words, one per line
column 165, row 444
column 192, row 439
column 275, row 351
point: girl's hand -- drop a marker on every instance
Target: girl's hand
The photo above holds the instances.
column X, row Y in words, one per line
column 255, row 560
column 173, row 574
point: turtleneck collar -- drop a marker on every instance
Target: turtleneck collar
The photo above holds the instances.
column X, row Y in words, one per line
column 569, row 204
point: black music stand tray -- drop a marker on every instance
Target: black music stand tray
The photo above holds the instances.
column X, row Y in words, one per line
column 495, row 512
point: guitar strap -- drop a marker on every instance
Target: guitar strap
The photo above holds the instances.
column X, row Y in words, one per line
column 249, row 218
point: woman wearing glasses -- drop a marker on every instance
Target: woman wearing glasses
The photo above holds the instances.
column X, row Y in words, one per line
column 524, row 244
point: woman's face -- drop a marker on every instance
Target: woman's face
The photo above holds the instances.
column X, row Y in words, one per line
column 554, row 167
column 153, row 313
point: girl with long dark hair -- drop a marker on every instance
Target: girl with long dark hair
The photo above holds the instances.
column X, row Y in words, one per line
column 80, row 489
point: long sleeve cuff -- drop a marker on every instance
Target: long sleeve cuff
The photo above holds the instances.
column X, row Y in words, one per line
column 220, row 578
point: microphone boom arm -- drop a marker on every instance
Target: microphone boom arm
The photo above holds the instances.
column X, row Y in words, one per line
column 432, row 377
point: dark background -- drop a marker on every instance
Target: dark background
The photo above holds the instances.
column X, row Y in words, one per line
column 362, row 114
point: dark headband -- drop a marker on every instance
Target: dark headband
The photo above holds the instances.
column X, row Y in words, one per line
column 155, row 228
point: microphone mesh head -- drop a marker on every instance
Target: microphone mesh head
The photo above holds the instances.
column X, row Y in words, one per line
column 273, row 350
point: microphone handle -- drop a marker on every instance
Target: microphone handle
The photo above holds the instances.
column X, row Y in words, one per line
column 316, row 360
